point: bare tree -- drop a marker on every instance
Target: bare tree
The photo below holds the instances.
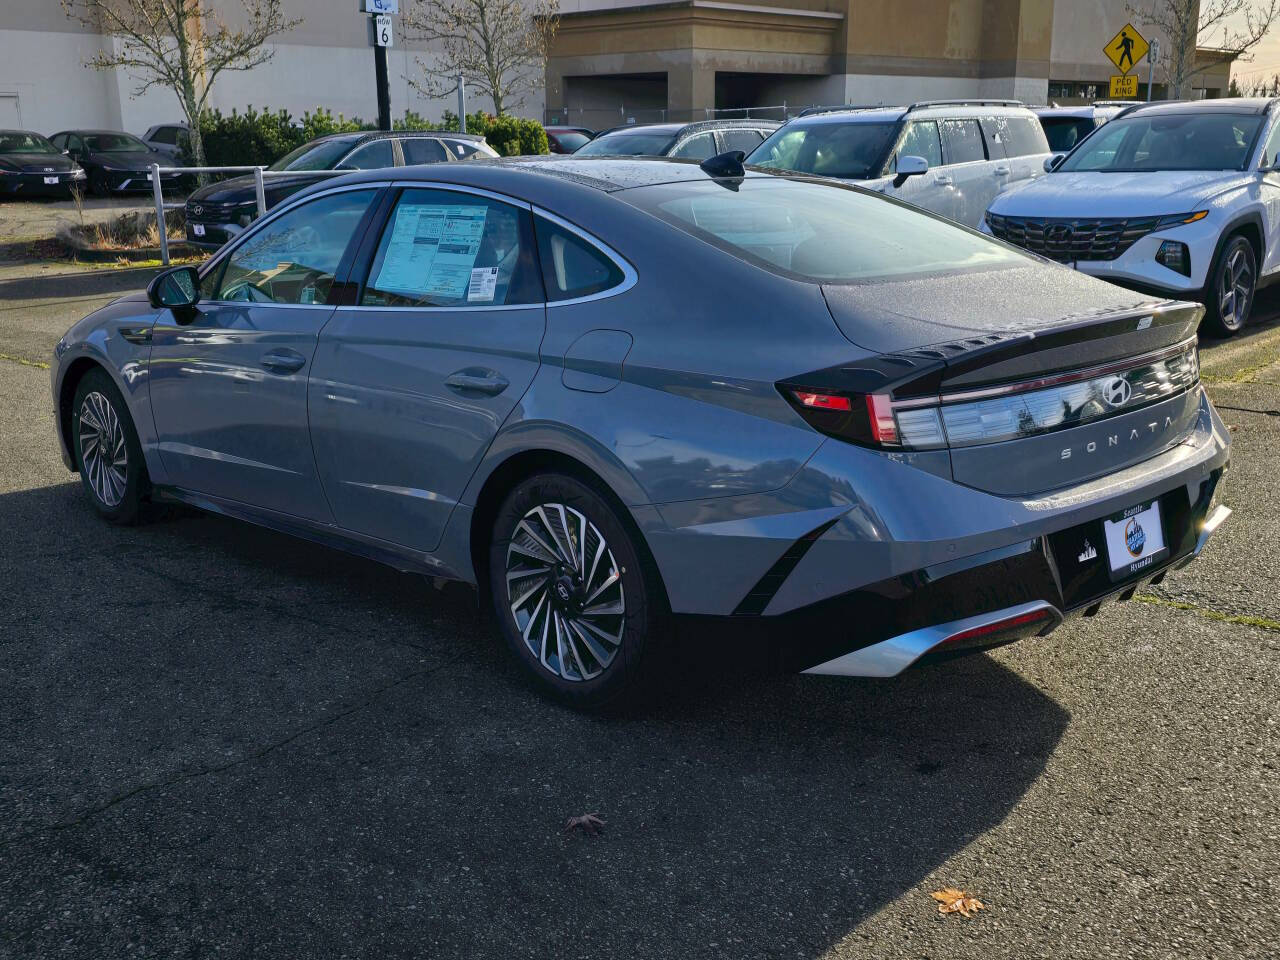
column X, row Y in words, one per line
column 1232, row 27
column 499, row 46
column 180, row 44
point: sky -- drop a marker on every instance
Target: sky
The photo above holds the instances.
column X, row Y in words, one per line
column 1266, row 56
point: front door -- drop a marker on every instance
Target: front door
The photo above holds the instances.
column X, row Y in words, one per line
column 933, row 190
column 229, row 380
column 410, row 386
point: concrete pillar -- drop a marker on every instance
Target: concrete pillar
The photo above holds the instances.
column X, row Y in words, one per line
column 691, row 87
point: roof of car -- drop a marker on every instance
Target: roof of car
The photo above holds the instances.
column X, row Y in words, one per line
column 84, row 131
column 1082, row 110
column 367, row 135
column 1224, row 105
column 854, row 113
column 696, row 126
column 31, row 132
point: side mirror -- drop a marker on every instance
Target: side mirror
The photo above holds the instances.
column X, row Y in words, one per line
column 910, row 166
column 1051, row 162
column 66, row 153
column 177, row 288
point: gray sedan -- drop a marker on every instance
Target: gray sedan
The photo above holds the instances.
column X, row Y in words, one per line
column 612, row 393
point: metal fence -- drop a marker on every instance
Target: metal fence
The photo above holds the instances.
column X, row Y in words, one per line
column 260, row 175
column 603, row 118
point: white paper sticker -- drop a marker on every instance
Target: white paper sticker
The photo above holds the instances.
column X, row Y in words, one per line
column 484, row 283
column 432, row 250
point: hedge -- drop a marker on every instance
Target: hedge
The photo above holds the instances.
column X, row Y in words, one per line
column 262, row 137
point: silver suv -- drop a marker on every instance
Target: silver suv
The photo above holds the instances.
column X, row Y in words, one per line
column 948, row 156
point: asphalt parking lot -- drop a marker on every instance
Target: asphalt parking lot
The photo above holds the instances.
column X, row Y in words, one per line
column 217, row 741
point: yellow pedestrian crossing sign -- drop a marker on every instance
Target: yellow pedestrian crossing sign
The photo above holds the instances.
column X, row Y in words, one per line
column 1126, row 48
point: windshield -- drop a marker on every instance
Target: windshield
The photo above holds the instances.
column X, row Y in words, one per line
column 572, row 141
column 851, row 151
column 114, row 143
column 1179, row 141
column 25, row 143
column 627, row 144
column 1064, row 133
column 314, row 156
column 821, row 232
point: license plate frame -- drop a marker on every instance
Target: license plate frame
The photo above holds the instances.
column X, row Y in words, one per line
column 197, row 229
column 1135, row 539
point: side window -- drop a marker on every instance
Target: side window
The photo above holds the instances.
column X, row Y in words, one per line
column 462, row 149
column 1272, row 149
column 292, row 259
column 59, row 141
column 422, row 150
column 445, row 249
column 74, row 144
column 372, row 156
column 697, row 148
column 995, row 130
column 167, row 135
column 1021, row 136
column 744, row 140
column 920, row 140
column 571, row 267
column 962, row 141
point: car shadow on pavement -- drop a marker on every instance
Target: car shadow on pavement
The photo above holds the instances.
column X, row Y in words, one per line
column 85, row 283
column 217, row 735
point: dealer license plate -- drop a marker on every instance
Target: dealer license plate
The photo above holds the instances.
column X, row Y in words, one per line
column 1135, row 539
column 50, row 179
column 198, row 229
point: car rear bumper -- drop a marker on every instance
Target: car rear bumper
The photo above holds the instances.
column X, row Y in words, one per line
column 214, row 235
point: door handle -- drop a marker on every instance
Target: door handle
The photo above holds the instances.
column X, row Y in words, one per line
column 1002, row 171
column 473, row 380
column 944, row 180
column 283, row 361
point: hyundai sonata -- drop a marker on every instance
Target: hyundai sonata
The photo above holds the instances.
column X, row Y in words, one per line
column 613, row 392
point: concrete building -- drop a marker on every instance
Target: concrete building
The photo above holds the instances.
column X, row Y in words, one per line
column 615, row 60
column 325, row 61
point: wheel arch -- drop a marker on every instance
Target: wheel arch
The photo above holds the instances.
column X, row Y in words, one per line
column 76, row 371
column 1250, row 225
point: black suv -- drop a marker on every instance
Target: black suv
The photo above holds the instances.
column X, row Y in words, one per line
column 219, row 211
column 695, row 141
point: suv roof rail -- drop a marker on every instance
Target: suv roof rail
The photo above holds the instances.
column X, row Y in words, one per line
column 1115, row 103
column 836, row 108
column 965, row 102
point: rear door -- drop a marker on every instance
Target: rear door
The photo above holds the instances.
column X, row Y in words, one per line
column 967, row 167
column 1017, row 146
column 411, row 383
column 229, row 378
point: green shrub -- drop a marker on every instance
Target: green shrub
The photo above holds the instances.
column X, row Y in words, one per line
column 510, row 136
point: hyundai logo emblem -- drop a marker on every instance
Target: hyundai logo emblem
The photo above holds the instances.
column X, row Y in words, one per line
column 1117, row 391
column 1058, row 233
column 563, row 592
column 197, row 208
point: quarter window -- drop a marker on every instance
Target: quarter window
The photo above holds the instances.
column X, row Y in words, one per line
column 697, row 148
column 571, row 267
column 744, row 140
column 372, row 156
column 962, row 140
column 445, row 249
column 422, row 150
column 461, row 149
column 293, row 258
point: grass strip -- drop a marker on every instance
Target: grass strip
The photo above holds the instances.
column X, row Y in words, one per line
column 38, row 364
column 1262, row 623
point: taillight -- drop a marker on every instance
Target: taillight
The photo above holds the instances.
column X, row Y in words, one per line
column 870, row 419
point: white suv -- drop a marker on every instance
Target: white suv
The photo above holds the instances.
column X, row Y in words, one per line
column 1177, row 199
column 948, row 156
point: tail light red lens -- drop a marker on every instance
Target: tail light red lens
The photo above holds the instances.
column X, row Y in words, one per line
column 884, row 428
column 1000, row 626
column 823, row 401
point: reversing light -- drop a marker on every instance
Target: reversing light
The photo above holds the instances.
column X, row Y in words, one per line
column 1175, row 255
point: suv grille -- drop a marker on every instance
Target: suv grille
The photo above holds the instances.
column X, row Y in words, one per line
column 1068, row 240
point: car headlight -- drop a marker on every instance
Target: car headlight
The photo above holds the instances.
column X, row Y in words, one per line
column 1178, row 219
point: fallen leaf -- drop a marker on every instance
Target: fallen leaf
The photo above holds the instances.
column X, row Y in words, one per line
column 588, row 823
column 952, row 900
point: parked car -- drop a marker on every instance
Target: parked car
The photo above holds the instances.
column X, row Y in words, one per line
column 567, row 139
column 170, row 139
column 948, row 156
column 1064, row 127
column 772, row 433
column 114, row 162
column 221, row 210
column 32, row 166
column 1179, row 199
column 695, row 141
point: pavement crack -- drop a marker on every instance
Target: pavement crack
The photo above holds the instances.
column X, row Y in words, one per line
column 86, row 815
column 23, row 361
column 1246, row 620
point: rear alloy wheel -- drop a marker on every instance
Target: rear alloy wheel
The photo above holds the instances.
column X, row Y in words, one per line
column 107, row 449
column 1231, row 288
column 570, row 591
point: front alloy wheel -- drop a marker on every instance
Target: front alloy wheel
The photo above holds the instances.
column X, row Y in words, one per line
column 1233, row 281
column 107, row 449
column 576, row 597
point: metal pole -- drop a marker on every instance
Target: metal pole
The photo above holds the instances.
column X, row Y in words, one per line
column 384, row 88
column 162, row 228
column 1152, row 53
column 462, row 105
column 260, row 194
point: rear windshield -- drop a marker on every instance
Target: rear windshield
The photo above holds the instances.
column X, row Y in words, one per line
column 820, row 232
column 849, row 151
column 314, row 156
column 1065, row 132
column 1179, row 141
column 625, row 144
column 25, row 143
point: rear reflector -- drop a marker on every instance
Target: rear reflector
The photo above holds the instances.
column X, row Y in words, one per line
column 1000, row 626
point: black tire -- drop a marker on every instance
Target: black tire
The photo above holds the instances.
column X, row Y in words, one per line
column 98, row 183
column 1232, row 284
column 116, row 490
column 584, row 679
